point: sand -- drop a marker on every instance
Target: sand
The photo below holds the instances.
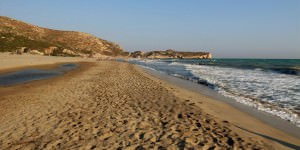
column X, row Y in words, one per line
column 9, row 61
column 113, row 105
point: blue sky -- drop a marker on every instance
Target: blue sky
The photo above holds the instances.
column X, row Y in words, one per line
column 227, row 28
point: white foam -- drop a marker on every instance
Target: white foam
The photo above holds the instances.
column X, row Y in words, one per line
column 266, row 91
column 175, row 63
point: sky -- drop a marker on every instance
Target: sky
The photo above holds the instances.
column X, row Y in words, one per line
column 226, row 28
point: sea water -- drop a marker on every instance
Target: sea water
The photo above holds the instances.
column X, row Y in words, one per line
column 27, row 75
column 269, row 85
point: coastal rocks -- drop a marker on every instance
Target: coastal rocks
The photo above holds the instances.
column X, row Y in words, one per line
column 170, row 53
column 36, row 52
column 69, row 52
column 137, row 54
column 50, row 50
column 209, row 56
column 22, row 50
column 202, row 56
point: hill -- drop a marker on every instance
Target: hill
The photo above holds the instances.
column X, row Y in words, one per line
column 170, row 53
column 16, row 34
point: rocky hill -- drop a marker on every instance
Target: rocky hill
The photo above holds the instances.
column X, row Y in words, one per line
column 16, row 35
column 171, row 54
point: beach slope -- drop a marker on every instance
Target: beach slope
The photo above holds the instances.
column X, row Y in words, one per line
column 114, row 105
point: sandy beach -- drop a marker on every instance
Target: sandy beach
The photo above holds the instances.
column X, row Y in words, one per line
column 12, row 62
column 114, row 105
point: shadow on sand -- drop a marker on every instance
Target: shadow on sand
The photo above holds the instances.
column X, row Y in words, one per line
column 273, row 139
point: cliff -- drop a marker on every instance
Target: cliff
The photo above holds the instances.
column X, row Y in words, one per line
column 171, row 54
column 15, row 34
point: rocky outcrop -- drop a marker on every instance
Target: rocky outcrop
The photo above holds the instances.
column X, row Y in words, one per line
column 36, row 52
column 137, row 54
column 15, row 34
column 21, row 50
column 69, row 52
column 50, row 50
column 170, row 53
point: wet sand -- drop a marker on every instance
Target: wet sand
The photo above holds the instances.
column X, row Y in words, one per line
column 267, row 118
column 10, row 62
column 113, row 105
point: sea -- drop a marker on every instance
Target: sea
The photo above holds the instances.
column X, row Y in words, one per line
column 33, row 74
column 269, row 85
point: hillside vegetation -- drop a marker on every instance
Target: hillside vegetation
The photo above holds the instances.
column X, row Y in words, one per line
column 15, row 34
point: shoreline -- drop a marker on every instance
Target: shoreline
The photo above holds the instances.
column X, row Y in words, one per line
column 100, row 75
column 10, row 90
column 268, row 86
column 10, row 62
column 269, row 119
